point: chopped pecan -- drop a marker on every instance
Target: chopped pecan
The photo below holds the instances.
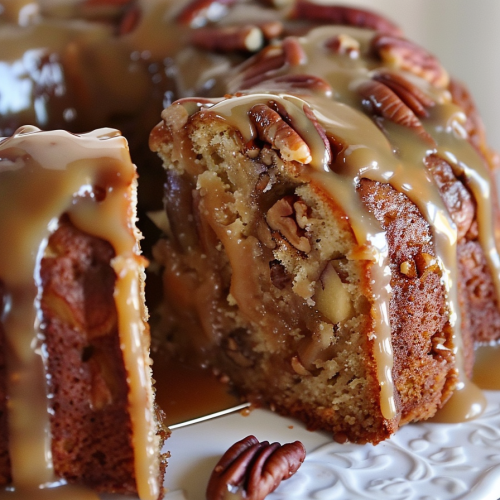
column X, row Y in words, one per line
column 199, row 12
column 273, row 129
column 409, row 93
column 281, row 217
column 254, row 469
column 344, row 44
column 229, row 38
column 347, row 16
column 400, row 53
column 331, row 297
column 426, row 263
column 408, row 268
column 382, row 101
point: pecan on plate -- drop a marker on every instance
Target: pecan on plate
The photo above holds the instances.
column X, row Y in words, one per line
column 346, row 16
column 272, row 129
column 400, row 53
column 255, row 469
column 380, row 100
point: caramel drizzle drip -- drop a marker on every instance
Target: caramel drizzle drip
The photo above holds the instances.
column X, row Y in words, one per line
column 43, row 175
column 371, row 154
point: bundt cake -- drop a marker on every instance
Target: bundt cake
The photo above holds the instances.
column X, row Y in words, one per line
column 331, row 229
column 75, row 376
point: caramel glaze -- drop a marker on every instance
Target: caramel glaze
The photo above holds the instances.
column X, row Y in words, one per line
column 91, row 179
column 175, row 384
column 487, row 368
column 378, row 149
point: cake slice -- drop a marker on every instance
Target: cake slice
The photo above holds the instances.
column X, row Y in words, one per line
column 331, row 233
column 76, row 391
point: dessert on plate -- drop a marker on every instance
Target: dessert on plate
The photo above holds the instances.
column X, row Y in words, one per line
column 331, row 244
column 329, row 226
column 77, row 398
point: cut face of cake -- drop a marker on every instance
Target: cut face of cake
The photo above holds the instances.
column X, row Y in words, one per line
column 76, row 390
column 331, row 232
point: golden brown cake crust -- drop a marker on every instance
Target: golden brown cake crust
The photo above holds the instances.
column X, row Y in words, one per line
column 417, row 308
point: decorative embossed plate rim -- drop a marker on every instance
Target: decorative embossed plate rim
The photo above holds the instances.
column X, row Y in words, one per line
column 425, row 461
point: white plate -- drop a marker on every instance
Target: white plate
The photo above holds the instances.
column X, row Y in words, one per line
column 425, row 461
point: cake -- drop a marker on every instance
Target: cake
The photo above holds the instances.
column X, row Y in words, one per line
column 330, row 242
column 76, row 391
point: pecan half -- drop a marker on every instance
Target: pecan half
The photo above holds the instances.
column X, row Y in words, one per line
column 347, row 16
column 229, row 38
column 199, row 12
column 402, row 54
column 274, row 130
column 257, row 68
column 381, row 100
column 310, row 82
column 254, row 469
column 282, row 217
column 409, row 93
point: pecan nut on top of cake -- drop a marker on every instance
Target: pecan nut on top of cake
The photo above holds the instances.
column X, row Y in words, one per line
column 332, row 228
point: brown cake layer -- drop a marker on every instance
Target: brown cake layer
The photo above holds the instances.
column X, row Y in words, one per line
column 85, row 364
column 78, row 411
